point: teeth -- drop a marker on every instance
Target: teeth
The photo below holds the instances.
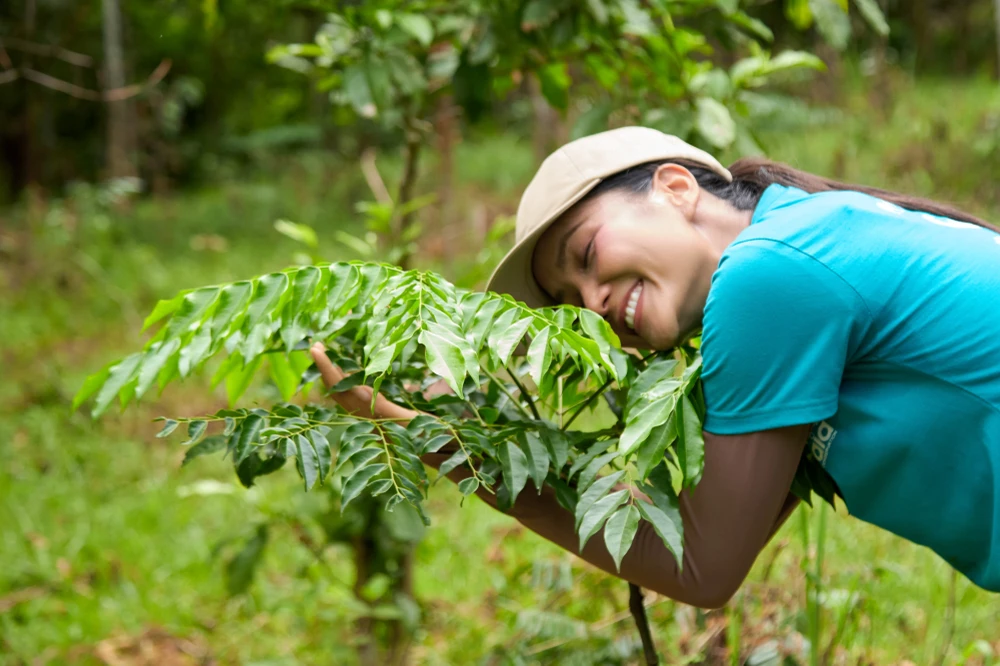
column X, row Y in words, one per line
column 633, row 301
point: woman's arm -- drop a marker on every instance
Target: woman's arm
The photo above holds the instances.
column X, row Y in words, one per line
column 741, row 500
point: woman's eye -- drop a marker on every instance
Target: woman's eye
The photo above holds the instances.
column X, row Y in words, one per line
column 587, row 252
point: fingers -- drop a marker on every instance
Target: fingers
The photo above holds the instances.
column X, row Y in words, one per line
column 357, row 400
column 330, row 373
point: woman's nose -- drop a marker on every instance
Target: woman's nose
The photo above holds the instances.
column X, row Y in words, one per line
column 597, row 297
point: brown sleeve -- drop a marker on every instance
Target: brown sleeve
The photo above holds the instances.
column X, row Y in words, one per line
column 742, row 499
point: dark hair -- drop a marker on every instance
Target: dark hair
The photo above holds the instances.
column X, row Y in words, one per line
column 752, row 175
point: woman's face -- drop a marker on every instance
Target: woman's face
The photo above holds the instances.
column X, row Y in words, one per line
column 637, row 260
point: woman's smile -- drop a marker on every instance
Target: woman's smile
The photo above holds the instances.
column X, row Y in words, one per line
column 631, row 317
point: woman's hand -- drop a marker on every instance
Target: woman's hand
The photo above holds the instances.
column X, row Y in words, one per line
column 357, row 400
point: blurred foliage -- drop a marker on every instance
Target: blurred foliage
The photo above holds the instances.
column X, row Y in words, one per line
column 221, row 106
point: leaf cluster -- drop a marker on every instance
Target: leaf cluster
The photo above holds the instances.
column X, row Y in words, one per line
column 518, row 379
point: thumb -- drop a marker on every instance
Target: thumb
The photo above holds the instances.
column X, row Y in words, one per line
column 331, row 374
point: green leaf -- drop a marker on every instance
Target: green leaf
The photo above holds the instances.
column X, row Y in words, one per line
column 555, row 82
column 832, row 22
column 357, row 482
column 162, row 309
column 557, row 444
column 283, row 375
column 265, row 297
column 515, row 467
column 715, row 123
column 357, row 91
column 873, row 14
column 510, row 333
column 538, row 14
column 249, row 433
column 206, row 446
column 195, row 431
column 308, row 461
column 620, row 531
column 640, row 424
column 597, row 490
column 194, row 306
column 690, row 443
column 453, row 462
column 651, row 451
column 598, row 513
column 418, row 26
column 342, row 288
column 594, row 468
column 301, row 233
column 538, row 458
column 799, row 13
column 445, row 356
column 595, row 450
column 481, row 321
column 231, row 307
column 118, row 377
column 359, row 458
column 323, row 455
column 598, row 328
column 240, row 569
column 93, row 382
column 192, row 354
column 468, row 486
column 539, row 355
column 238, row 380
column 667, row 525
column 169, row 425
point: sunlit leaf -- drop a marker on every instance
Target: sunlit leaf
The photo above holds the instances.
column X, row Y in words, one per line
column 599, row 512
column 619, row 532
column 515, row 467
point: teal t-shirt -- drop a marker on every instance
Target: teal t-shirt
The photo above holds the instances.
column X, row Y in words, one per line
column 881, row 327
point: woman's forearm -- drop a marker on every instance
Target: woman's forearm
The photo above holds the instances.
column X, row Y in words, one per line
column 739, row 504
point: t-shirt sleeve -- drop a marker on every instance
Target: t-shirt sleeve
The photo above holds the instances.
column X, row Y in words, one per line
column 778, row 330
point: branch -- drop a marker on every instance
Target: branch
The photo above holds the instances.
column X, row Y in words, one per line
column 525, row 395
column 638, row 611
column 50, row 50
column 374, row 179
column 9, row 75
column 113, row 95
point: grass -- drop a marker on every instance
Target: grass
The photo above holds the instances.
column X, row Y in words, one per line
column 107, row 540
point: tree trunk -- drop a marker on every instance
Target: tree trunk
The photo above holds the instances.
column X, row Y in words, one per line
column 408, row 182
column 121, row 140
column 445, row 130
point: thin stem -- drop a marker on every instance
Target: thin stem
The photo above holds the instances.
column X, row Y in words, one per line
column 586, row 403
column 468, row 458
column 388, row 460
column 503, row 387
column 525, row 395
column 594, row 396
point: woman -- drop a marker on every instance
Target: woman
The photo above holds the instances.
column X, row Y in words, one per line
column 862, row 324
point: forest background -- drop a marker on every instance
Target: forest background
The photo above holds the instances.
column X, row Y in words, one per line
column 147, row 147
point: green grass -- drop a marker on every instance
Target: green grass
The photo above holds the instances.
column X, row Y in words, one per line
column 104, row 535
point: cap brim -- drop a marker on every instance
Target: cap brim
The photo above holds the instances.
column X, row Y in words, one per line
column 514, row 275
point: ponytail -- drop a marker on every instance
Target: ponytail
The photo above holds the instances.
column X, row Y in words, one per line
column 753, row 175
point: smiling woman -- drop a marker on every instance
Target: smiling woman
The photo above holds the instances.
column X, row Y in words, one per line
column 844, row 317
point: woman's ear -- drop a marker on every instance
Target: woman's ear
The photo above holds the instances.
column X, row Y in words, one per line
column 677, row 186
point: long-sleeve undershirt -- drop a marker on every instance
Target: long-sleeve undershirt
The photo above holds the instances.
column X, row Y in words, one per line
column 741, row 500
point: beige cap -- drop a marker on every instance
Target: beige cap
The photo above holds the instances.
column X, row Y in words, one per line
column 564, row 178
